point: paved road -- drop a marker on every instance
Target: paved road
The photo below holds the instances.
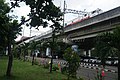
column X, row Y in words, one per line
column 89, row 71
column 90, row 74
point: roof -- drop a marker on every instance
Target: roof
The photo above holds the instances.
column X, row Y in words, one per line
column 23, row 38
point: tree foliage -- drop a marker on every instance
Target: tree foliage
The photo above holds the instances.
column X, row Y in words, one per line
column 8, row 27
column 8, row 32
column 103, row 47
column 108, row 44
column 42, row 13
column 73, row 61
column 61, row 49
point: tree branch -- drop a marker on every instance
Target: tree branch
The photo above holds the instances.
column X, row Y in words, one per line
column 14, row 5
column 24, row 22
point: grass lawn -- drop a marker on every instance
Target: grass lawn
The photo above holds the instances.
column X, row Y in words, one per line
column 25, row 71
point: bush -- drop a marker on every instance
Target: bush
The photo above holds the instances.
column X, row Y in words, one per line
column 55, row 68
column 63, row 70
column 46, row 64
column 36, row 62
column 81, row 79
column 73, row 60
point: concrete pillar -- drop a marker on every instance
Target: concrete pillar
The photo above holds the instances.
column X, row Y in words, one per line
column 48, row 51
column 85, row 53
column 89, row 53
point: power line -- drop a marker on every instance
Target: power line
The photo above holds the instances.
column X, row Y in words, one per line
column 82, row 14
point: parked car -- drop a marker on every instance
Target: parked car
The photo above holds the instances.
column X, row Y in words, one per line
column 93, row 60
column 85, row 60
column 98, row 61
column 109, row 62
column 115, row 62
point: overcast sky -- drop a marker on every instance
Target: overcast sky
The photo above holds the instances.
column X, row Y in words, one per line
column 81, row 5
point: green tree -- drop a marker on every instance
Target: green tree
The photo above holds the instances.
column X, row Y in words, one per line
column 33, row 47
column 61, row 49
column 73, row 61
column 41, row 13
column 108, row 44
column 103, row 48
column 116, row 44
column 16, row 51
column 12, row 30
column 9, row 31
column 24, row 48
column 3, row 19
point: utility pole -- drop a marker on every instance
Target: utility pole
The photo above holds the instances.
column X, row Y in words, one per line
column 30, row 32
column 23, row 30
column 65, row 11
column 64, row 14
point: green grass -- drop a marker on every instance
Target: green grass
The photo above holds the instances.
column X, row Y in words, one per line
column 25, row 71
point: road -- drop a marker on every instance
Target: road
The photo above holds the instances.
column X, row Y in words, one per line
column 90, row 74
column 89, row 71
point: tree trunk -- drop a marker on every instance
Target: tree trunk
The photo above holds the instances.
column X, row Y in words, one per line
column 103, row 62
column 68, row 71
column 51, row 64
column 33, row 58
column 10, row 60
column 52, row 51
column 24, row 55
column 68, row 78
column 19, row 53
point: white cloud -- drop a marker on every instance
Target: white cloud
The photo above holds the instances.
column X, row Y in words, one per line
column 106, row 5
column 23, row 11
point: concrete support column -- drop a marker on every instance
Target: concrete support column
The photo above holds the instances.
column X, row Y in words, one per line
column 48, row 51
column 89, row 53
column 84, row 53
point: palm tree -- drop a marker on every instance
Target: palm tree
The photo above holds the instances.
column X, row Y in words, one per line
column 34, row 45
column 24, row 48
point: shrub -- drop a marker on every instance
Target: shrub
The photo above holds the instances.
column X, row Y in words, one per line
column 55, row 68
column 63, row 70
column 73, row 60
column 45, row 64
column 36, row 62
